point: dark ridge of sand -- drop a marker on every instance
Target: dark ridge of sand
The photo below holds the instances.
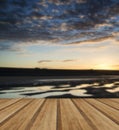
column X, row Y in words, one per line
column 72, row 96
column 35, row 81
column 65, row 96
column 37, row 93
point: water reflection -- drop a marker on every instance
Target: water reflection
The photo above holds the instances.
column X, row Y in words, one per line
column 68, row 89
column 80, row 93
column 109, row 85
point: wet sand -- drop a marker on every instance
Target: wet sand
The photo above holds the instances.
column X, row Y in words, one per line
column 11, row 80
column 60, row 87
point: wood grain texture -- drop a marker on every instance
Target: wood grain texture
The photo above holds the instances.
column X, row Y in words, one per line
column 46, row 118
column 110, row 112
column 23, row 117
column 99, row 120
column 8, row 112
column 5, row 103
column 59, row 114
column 115, row 100
column 110, row 103
column 71, row 118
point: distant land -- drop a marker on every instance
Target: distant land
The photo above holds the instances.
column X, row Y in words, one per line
column 53, row 72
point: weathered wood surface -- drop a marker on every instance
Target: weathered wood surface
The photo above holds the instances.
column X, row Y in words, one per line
column 59, row 114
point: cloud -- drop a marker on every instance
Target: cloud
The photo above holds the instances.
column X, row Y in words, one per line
column 69, row 60
column 18, row 46
column 63, row 61
column 58, row 21
column 45, row 61
column 8, row 46
column 93, row 40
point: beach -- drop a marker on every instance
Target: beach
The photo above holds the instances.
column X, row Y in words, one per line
column 59, row 86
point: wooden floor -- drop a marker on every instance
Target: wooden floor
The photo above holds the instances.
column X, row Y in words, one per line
column 59, row 114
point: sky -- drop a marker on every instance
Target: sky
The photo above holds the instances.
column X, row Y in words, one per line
column 72, row 34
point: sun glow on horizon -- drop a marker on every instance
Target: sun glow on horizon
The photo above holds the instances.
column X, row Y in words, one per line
column 104, row 67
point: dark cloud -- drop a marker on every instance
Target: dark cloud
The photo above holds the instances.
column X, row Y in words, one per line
column 71, row 60
column 10, row 46
column 98, row 39
column 44, row 61
column 47, row 61
column 63, row 21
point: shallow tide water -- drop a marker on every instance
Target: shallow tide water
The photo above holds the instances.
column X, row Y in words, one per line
column 64, row 88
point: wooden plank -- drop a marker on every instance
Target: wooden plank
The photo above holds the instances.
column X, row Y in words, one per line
column 21, row 120
column 47, row 117
column 71, row 118
column 59, row 114
column 7, row 103
column 115, row 100
column 110, row 103
column 99, row 120
column 4, row 100
column 112, row 113
column 8, row 112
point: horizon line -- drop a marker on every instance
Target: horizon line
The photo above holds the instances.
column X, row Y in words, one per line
column 60, row 69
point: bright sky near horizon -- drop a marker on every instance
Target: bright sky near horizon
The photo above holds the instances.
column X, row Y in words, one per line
column 59, row 35
column 87, row 55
